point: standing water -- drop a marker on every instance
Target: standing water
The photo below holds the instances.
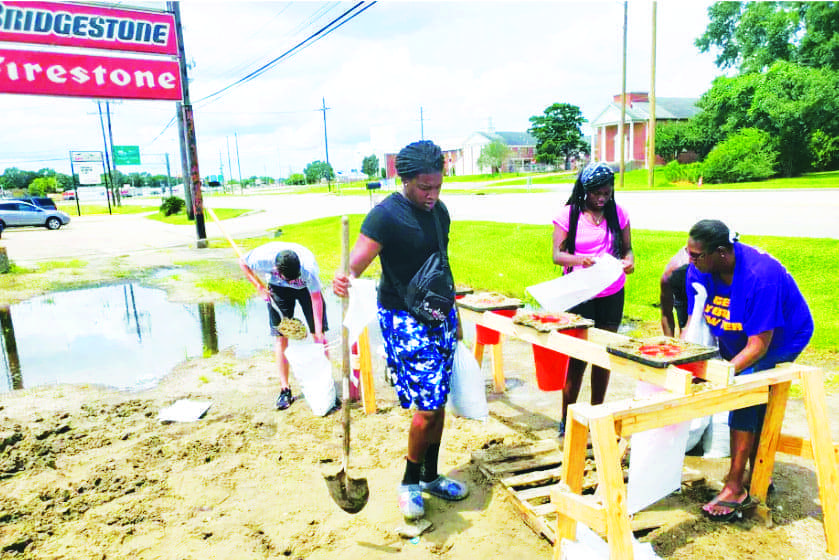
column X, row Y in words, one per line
column 126, row 336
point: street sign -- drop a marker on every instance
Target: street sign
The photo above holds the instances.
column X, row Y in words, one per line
column 126, row 155
column 85, row 156
column 89, row 174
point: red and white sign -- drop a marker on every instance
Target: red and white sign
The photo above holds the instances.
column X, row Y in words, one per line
column 95, row 27
column 51, row 73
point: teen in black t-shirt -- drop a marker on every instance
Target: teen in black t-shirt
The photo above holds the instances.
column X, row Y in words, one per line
column 402, row 232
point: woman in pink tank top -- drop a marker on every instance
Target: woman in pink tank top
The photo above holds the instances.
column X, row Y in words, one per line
column 588, row 226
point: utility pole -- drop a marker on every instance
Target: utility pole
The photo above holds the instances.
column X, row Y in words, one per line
column 168, row 174
column 239, row 163
column 112, row 168
column 108, row 195
column 229, row 170
column 623, row 98
column 326, row 146
column 422, row 126
column 651, row 136
column 190, row 211
column 189, row 132
column 220, row 169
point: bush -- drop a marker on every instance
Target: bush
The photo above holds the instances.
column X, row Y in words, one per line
column 683, row 172
column 296, row 179
column 172, row 205
column 825, row 151
column 747, row 155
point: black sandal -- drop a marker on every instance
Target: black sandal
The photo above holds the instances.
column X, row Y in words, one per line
column 737, row 509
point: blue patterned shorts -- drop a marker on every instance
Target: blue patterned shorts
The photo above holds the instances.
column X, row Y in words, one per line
column 420, row 356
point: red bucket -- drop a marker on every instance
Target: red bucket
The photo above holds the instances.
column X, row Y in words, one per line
column 552, row 366
column 488, row 337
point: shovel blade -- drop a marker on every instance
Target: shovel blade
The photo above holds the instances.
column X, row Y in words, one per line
column 351, row 494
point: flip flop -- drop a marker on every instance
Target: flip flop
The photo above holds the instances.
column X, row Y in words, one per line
column 737, row 509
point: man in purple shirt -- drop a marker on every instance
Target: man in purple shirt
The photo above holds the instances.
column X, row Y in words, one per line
column 760, row 319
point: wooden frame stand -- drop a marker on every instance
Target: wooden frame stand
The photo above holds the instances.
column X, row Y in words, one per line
column 606, row 512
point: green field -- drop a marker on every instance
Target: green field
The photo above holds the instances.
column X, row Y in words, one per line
column 507, row 258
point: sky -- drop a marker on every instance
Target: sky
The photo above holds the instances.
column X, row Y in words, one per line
column 398, row 72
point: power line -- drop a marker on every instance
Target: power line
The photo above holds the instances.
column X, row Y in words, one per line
column 325, row 30
column 311, row 39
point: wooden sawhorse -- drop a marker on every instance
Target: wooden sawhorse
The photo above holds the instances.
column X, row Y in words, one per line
column 607, row 515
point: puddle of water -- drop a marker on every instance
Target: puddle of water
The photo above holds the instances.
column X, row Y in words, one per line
column 126, row 336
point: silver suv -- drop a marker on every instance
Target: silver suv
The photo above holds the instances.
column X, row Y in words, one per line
column 18, row 213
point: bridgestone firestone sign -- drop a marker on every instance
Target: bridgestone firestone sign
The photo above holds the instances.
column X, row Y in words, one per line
column 51, row 72
column 93, row 27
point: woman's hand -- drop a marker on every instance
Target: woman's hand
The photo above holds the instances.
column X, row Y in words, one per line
column 585, row 262
column 628, row 264
column 340, row 284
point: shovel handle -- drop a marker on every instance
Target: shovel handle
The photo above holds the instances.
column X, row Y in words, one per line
column 241, row 257
column 345, row 347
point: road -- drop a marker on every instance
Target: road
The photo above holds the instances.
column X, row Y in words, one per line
column 798, row 213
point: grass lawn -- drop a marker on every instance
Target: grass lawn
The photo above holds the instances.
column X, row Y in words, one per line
column 637, row 180
column 507, row 258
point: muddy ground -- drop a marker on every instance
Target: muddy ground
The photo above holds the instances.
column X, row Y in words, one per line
column 89, row 472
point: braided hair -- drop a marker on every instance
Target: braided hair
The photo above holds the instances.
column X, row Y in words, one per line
column 593, row 176
column 419, row 157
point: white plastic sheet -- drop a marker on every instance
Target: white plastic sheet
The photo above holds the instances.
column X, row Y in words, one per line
column 362, row 308
column 314, row 372
column 563, row 293
column 655, row 462
column 468, row 390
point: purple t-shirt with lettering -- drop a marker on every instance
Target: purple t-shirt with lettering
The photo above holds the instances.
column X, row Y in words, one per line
column 762, row 297
column 593, row 240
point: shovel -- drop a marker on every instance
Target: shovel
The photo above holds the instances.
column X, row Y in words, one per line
column 241, row 257
column 351, row 494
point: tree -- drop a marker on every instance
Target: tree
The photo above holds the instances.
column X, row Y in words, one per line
column 674, row 137
column 63, row 182
column 17, row 179
column 751, row 36
column 558, row 134
column 747, row 155
column 317, row 171
column 789, row 102
column 40, row 186
column 370, row 166
column 493, row 156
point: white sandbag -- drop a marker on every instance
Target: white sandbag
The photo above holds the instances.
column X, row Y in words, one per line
column 314, row 372
column 716, row 441
column 468, row 390
column 697, row 432
column 563, row 293
column 698, row 331
column 362, row 308
column 589, row 546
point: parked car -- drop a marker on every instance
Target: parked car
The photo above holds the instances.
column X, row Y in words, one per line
column 40, row 201
column 68, row 195
column 18, row 214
